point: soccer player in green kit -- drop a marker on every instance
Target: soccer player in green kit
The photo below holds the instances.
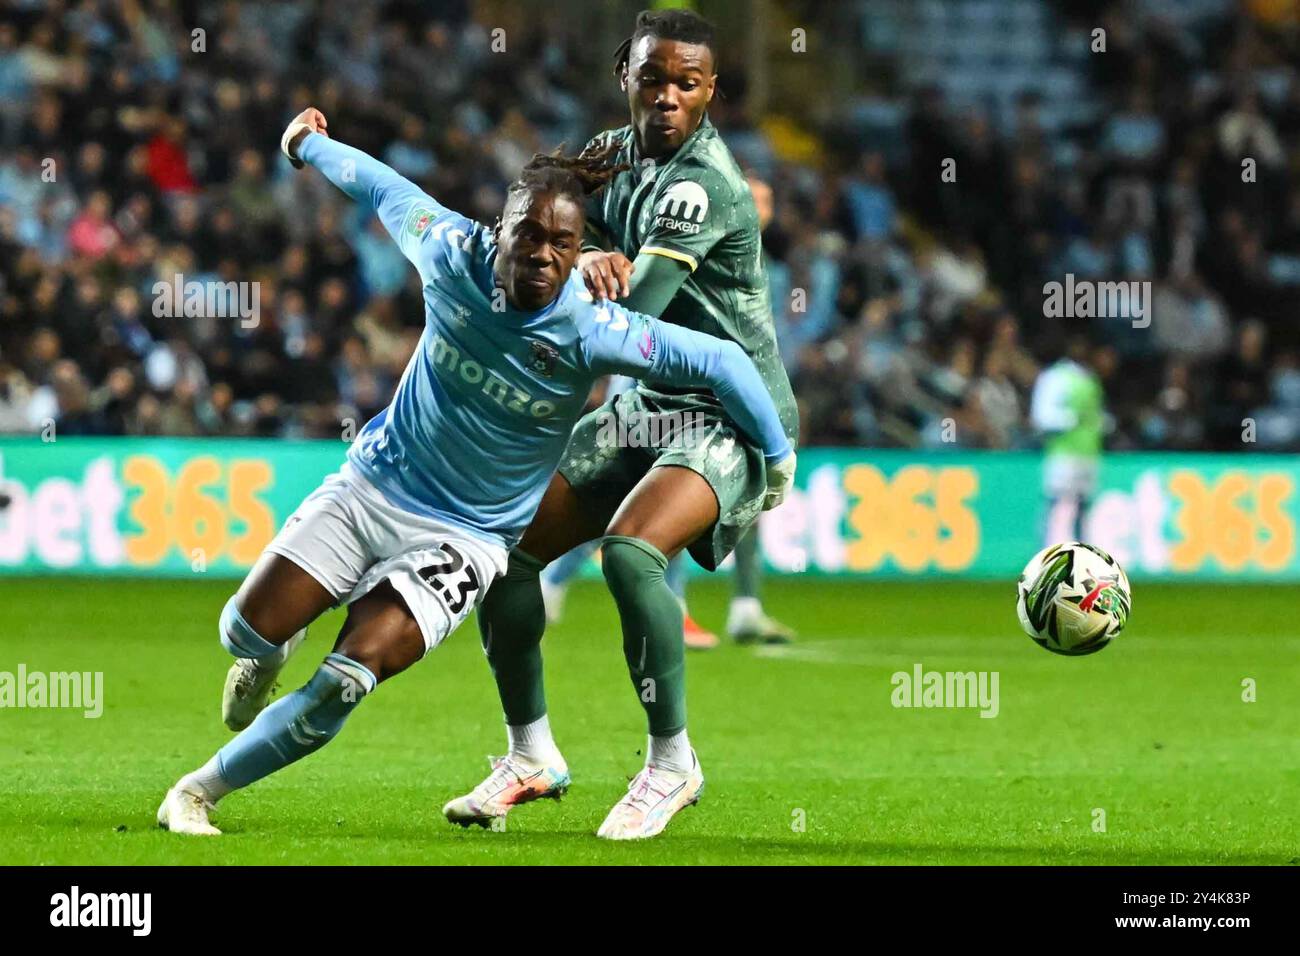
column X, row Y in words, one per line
column 686, row 208
column 606, row 274
column 1068, row 411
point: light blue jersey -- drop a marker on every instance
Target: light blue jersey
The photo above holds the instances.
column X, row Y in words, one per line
column 485, row 407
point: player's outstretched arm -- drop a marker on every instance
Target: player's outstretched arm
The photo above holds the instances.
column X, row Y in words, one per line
column 643, row 347
column 628, row 343
column 362, row 177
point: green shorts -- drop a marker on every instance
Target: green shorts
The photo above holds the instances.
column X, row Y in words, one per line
column 613, row 447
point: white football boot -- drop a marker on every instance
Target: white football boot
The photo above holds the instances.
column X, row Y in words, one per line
column 511, row 782
column 183, row 811
column 250, row 682
column 748, row 624
column 652, row 798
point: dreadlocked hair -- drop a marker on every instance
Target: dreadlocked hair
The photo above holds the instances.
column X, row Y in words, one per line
column 683, row 25
column 574, row 176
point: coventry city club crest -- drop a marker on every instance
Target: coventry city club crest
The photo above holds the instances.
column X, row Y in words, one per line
column 541, row 358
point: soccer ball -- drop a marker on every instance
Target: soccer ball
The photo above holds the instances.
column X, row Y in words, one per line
column 1073, row 598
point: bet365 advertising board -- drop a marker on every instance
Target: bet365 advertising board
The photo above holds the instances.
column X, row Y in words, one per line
column 178, row 507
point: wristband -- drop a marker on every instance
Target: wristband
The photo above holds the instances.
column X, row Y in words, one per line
column 293, row 130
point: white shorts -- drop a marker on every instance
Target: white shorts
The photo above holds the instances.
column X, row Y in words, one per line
column 1070, row 476
column 348, row 537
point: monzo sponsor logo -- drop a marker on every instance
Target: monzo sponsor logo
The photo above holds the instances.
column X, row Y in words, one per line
column 682, row 208
column 447, row 357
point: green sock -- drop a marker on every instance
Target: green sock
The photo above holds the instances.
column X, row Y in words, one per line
column 652, row 629
column 749, row 565
column 511, row 621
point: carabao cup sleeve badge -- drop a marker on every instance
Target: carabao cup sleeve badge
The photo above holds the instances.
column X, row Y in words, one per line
column 418, row 219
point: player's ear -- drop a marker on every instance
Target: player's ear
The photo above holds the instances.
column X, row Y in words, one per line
column 622, row 77
column 496, row 231
column 713, row 85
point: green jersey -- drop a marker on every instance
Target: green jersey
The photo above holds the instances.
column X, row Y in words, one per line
column 697, row 209
column 1068, row 409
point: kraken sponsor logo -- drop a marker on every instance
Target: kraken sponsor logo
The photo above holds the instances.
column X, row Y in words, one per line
column 682, row 208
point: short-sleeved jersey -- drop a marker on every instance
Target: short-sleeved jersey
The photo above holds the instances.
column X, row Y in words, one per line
column 1068, row 409
column 696, row 208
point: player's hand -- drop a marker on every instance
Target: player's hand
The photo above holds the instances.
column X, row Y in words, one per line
column 606, row 273
column 779, row 479
column 310, row 120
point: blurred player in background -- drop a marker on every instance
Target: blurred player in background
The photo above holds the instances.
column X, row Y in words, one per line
column 1067, row 411
column 684, row 210
column 438, row 486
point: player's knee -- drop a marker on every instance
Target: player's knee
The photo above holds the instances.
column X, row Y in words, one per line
column 387, row 649
column 512, row 617
column 241, row 637
column 380, row 658
column 628, row 564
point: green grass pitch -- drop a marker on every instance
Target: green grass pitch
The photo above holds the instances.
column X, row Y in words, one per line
column 1153, row 731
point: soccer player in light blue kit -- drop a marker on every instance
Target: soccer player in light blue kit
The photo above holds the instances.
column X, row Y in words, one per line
column 439, row 486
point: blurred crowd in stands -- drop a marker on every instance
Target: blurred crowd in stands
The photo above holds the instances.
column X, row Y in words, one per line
column 909, row 305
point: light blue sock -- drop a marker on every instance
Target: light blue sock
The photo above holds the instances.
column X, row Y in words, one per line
column 293, row 726
column 676, row 576
column 567, row 565
column 239, row 638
